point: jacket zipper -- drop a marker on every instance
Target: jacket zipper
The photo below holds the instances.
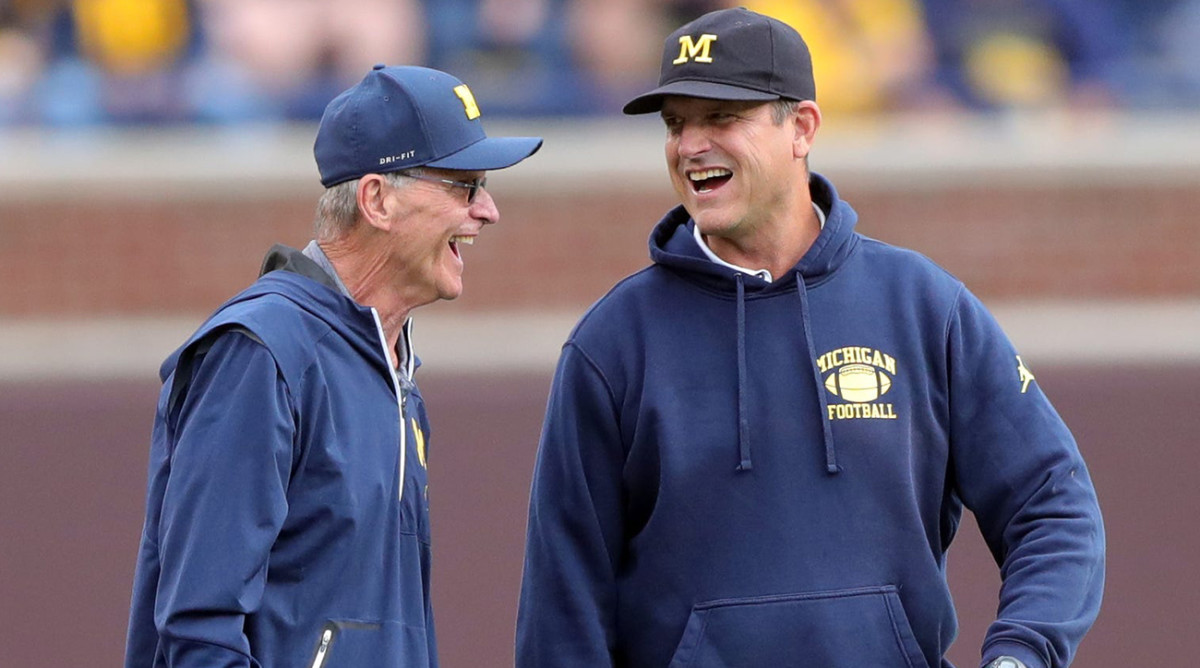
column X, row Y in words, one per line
column 400, row 398
column 323, row 648
column 329, row 633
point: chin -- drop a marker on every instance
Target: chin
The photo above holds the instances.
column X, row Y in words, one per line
column 450, row 292
column 448, row 283
column 710, row 223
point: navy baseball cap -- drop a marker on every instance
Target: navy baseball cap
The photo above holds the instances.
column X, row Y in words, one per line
column 398, row 118
column 732, row 54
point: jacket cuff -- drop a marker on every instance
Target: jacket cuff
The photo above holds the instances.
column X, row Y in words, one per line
column 1024, row 653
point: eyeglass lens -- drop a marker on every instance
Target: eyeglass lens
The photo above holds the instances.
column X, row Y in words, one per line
column 474, row 187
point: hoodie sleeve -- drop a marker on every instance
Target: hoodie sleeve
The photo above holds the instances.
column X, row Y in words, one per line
column 568, row 594
column 224, row 503
column 1020, row 472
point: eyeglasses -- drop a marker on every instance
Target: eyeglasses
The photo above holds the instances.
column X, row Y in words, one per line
column 473, row 187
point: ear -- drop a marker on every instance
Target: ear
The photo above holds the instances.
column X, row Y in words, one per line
column 373, row 202
column 808, row 120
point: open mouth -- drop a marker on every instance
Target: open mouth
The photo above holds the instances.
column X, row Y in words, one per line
column 708, row 180
column 460, row 239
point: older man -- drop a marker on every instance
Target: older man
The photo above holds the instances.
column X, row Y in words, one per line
column 287, row 521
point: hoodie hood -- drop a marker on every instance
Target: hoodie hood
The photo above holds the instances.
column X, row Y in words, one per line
column 673, row 245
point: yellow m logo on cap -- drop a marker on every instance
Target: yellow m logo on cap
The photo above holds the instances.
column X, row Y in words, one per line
column 697, row 50
column 468, row 101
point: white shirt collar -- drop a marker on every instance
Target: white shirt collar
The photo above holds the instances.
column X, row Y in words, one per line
column 761, row 273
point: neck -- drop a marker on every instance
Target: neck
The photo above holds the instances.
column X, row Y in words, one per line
column 776, row 247
column 363, row 268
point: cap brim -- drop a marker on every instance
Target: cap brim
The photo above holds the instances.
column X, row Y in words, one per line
column 651, row 102
column 490, row 153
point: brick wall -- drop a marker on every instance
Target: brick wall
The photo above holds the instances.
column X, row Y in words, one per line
column 115, row 255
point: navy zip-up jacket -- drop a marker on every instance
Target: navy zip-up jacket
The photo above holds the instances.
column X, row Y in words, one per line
column 286, row 517
column 741, row 473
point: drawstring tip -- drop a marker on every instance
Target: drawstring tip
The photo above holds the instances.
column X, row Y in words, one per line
column 745, row 465
column 832, row 469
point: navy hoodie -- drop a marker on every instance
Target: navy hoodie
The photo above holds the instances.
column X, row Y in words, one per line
column 741, row 473
column 286, row 517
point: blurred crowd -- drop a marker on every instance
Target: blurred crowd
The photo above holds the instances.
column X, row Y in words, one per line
column 85, row 62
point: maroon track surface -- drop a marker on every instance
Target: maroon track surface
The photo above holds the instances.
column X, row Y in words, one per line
column 73, row 477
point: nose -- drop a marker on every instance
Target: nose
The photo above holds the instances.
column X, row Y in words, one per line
column 484, row 208
column 692, row 141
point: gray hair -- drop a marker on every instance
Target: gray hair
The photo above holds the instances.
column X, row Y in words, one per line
column 337, row 210
column 782, row 108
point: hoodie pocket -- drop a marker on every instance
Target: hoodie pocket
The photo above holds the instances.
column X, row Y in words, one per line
column 849, row 628
column 354, row 644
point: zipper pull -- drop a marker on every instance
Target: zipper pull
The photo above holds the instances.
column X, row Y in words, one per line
column 326, row 638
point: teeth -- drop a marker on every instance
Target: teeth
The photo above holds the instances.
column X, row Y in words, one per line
column 708, row 174
column 462, row 239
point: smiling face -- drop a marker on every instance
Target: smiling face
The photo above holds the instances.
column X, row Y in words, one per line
column 433, row 222
column 736, row 171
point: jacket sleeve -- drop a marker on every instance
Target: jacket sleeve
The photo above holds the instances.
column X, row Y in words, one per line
column 224, row 503
column 567, row 609
column 1019, row 470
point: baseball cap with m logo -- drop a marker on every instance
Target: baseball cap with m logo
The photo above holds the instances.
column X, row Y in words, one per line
column 732, row 54
column 398, row 118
